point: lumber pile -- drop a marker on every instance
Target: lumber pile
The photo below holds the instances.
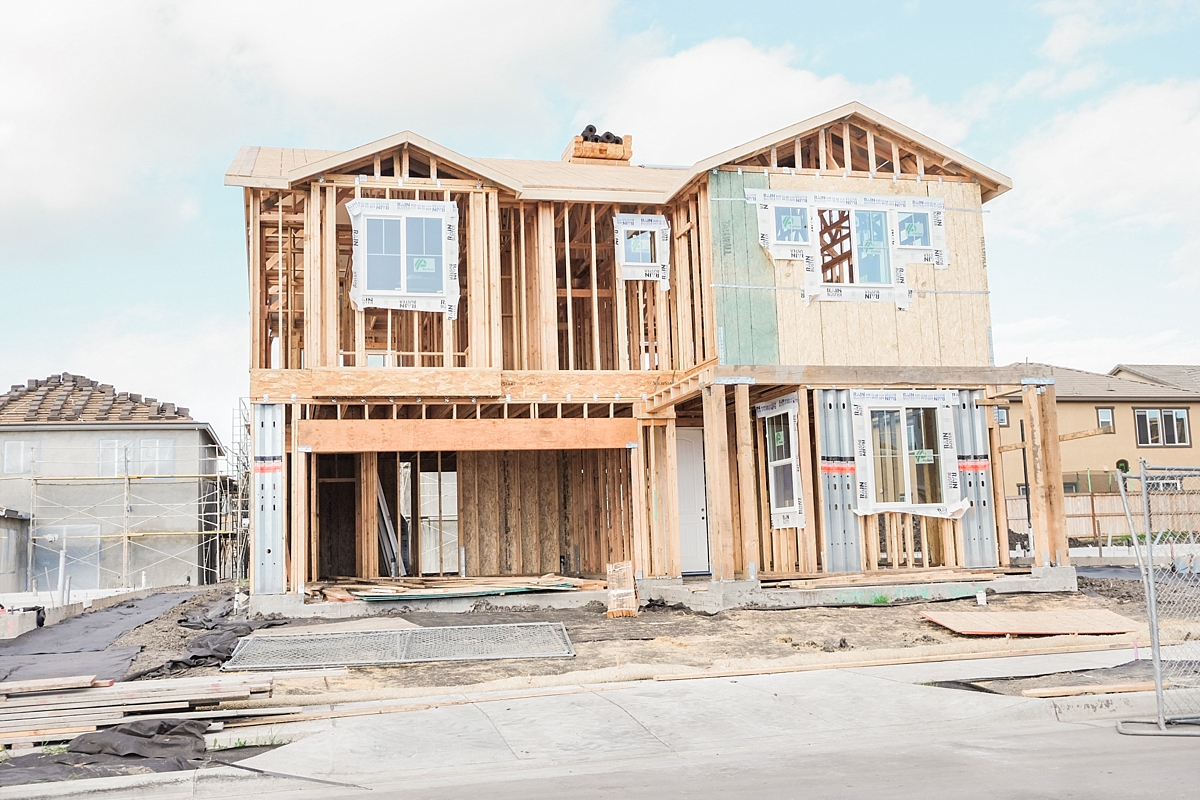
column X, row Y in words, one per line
column 431, row 587
column 59, row 709
column 877, row 578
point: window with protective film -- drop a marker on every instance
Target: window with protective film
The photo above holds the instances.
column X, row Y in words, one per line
column 780, row 447
column 405, row 254
column 905, row 451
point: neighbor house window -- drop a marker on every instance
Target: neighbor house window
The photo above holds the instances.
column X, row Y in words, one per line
column 1104, row 417
column 116, row 457
column 1002, row 417
column 156, row 456
column 20, row 456
column 1158, row 427
column 783, row 466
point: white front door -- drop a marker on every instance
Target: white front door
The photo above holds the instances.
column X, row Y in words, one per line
column 693, row 501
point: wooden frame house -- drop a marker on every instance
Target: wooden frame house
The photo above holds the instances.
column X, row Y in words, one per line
column 773, row 363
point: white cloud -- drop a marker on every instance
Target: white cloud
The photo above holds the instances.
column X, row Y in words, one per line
column 695, row 103
column 1067, row 345
column 196, row 363
column 1121, row 162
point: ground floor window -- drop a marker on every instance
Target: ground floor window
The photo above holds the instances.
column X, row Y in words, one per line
column 905, row 451
column 783, row 470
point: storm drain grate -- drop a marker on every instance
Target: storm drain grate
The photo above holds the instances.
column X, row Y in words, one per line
column 405, row 646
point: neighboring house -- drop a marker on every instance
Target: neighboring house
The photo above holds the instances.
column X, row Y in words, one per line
column 121, row 489
column 1185, row 376
column 1148, row 420
column 772, row 362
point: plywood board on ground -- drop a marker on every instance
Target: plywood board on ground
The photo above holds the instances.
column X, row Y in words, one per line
column 1032, row 623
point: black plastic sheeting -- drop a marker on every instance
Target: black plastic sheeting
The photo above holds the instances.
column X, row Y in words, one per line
column 213, row 647
column 87, row 638
column 110, row 664
column 92, row 630
column 131, row 748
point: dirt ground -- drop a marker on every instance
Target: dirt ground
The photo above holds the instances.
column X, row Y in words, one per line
column 164, row 638
column 673, row 638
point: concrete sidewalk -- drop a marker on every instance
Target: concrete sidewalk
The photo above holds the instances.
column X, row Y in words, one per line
column 588, row 739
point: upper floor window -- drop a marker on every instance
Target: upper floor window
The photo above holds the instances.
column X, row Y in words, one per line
column 156, row 456
column 791, row 224
column 643, row 244
column 20, row 456
column 1104, row 417
column 116, row 457
column 1002, row 416
column 1158, row 427
column 912, row 229
column 405, row 254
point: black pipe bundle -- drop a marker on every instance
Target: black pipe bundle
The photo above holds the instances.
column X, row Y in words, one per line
column 608, row 137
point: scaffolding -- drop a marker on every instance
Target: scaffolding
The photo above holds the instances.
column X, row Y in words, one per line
column 136, row 518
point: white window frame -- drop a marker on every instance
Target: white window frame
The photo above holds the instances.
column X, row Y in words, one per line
column 791, row 516
column 110, row 464
column 659, row 268
column 1112, row 417
column 1001, row 416
column 403, row 298
column 157, row 462
column 21, row 456
column 1162, row 428
column 863, row 401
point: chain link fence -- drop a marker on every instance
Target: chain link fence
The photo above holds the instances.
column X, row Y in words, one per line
column 1167, row 544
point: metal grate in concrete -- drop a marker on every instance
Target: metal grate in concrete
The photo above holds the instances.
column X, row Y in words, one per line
column 406, row 646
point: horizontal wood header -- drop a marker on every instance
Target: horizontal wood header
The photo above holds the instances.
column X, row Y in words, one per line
column 426, row 435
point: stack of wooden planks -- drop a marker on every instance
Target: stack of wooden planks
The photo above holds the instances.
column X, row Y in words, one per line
column 881, row 577
column 428, row 588
column 59, row 709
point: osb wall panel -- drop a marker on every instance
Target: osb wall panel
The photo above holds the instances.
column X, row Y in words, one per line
column 531, row 512
column 948, row 320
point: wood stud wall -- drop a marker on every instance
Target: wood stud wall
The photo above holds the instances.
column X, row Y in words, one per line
column 540, row 290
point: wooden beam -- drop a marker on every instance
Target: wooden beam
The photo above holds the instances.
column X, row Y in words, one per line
column 408, row 435
column 495, row 318
column 716, row 473
column 674, row 567
column 1070, row 437
column 809, row 474
column 999, row 505
column 366, row 525
column 547, row 290
column 747, row 496
column 1046, row 501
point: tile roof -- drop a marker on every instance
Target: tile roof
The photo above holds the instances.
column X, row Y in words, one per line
column 1077, row 384
column 68, row 398
column 1185, row 376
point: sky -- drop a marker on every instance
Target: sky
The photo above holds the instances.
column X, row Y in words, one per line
column 122, row 255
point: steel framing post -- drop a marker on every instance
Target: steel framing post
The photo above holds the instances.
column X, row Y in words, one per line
column 1151, row 605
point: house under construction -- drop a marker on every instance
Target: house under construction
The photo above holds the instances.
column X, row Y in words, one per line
column 773, row 363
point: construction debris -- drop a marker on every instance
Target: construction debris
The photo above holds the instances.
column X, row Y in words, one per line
column 1093, row 621
column 58, row 711
column 384, row 589
column 622, row 590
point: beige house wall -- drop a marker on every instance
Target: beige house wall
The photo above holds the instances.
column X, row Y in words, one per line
column 1099, row 453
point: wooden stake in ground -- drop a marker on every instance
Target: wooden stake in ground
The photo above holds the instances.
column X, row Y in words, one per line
column 622, row 591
